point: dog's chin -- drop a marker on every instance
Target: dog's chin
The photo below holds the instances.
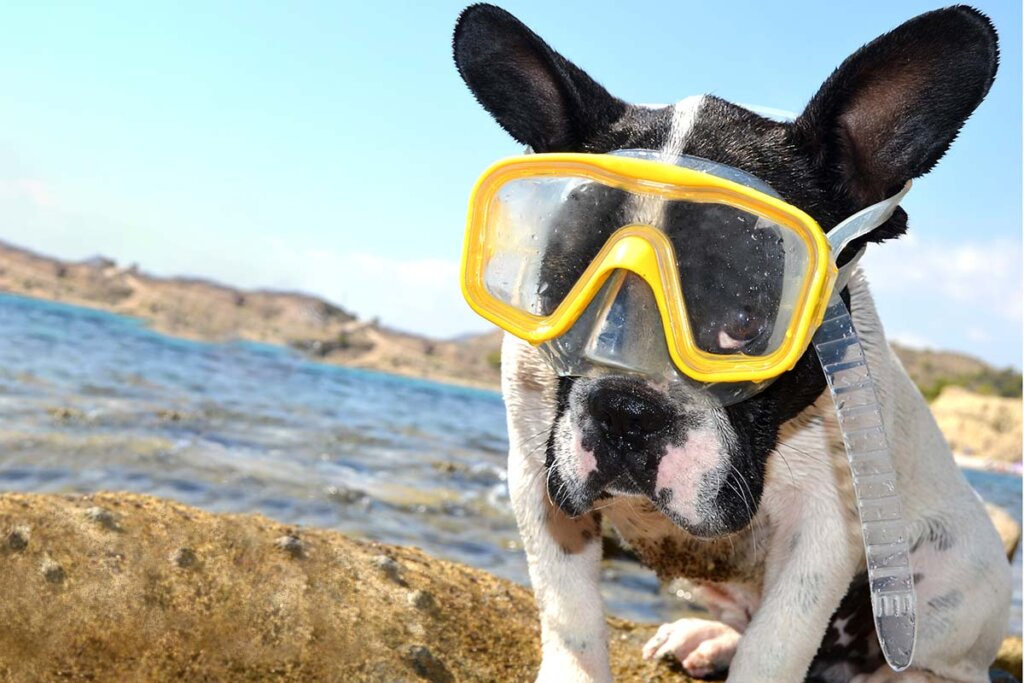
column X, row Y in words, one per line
column 708, row 526
column 576, row 498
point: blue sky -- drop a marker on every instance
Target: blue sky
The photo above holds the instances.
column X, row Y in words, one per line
column 331, row 147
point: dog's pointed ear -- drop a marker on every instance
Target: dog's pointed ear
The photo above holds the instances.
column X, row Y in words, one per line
column 893, row 108
column 538, row 96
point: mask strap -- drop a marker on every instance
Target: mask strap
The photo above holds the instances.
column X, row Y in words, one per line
column 883, row 527
column 864, row 221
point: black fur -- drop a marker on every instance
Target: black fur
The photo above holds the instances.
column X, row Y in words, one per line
column 850, row 645
column 892, row 109
column 538, row 96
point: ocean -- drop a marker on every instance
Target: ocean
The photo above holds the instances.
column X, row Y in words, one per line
column 93, row 401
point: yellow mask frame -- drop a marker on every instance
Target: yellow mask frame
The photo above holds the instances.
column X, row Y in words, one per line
column 645, row 251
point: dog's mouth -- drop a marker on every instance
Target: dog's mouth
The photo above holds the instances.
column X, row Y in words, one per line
column 576, row 501
column 636, row 475
column 685, row 479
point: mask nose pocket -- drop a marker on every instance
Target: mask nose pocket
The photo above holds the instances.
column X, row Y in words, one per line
column 624, row 307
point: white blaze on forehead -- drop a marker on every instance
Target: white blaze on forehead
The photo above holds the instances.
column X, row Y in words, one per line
column 648, row 209
column 684, row 114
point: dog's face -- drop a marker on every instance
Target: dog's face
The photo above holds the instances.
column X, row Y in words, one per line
column 885, row 116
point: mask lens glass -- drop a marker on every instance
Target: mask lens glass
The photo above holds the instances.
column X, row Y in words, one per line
column 740, row 274
column 543, row 233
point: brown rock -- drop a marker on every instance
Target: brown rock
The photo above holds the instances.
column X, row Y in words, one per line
column 1009, row 657
column 350, row 611
column 987, row 427
column 1007, row 526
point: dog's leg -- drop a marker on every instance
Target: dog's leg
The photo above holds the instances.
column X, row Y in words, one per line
column 564, row 558
column 813, row 556
column 810, row 564
column 564, row 554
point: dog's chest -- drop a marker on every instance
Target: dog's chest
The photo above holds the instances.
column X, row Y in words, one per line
column 673, row 553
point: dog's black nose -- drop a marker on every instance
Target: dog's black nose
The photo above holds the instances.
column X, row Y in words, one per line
column 627, row 416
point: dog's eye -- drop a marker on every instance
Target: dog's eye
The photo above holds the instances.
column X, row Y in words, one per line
column 741, row 330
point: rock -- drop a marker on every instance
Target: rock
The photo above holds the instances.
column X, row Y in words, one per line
column 1009, row 657
column 110, row 606
column 291, row 544
column 1007, row 526
column 184, row 558
column 988, row 427
column 65, row 414
column 103, row 517
column 51, row 570
column 389, row 568
column 426, row 665
column 17, row 539
column 421, row 600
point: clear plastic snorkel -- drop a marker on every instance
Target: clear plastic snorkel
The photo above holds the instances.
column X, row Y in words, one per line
column 884, row 529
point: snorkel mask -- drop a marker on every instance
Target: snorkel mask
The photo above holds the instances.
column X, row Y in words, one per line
column 680, row 269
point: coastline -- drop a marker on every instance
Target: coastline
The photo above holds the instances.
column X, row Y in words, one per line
column 200, row 310
column 987, row 465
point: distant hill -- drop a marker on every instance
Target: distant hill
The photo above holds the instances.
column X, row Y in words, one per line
column 933, row 371
column 206, row 310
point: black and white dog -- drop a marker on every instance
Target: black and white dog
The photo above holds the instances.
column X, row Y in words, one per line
column 762, row 514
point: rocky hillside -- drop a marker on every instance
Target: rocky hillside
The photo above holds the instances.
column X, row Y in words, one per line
column 933, row 371
column 122, row 587
column 989, row 426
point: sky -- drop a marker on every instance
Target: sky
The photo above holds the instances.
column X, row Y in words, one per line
column 330, row 147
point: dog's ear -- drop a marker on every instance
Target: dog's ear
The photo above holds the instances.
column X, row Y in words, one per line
column 538, row 96
column 892, row 109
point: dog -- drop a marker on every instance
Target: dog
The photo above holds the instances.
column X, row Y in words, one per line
column 762, row 516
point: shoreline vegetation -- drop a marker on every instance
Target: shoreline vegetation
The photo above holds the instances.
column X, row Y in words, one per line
column 977, row 407
column 119, row 586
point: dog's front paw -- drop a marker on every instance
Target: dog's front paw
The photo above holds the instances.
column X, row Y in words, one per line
column 701, row 646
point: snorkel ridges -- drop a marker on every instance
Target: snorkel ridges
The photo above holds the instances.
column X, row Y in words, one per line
column 883, row 526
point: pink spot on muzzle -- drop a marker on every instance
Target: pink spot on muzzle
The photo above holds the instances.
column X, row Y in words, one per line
column 585, row 460
column 682, row 469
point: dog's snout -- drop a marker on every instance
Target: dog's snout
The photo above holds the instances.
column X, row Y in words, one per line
column 627, row 417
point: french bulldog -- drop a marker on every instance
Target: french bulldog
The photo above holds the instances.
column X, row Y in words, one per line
column 761, row 515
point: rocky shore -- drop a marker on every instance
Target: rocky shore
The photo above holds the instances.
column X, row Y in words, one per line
column 133, row 588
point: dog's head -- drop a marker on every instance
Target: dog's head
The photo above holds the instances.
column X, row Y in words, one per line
column 882, row 118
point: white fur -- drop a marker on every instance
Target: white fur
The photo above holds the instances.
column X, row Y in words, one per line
column 573, row 633
column 649, row 209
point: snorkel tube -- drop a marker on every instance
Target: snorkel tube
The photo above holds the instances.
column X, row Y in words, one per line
column 882, row 524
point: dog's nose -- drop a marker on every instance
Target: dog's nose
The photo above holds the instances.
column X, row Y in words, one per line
column 627, row 417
